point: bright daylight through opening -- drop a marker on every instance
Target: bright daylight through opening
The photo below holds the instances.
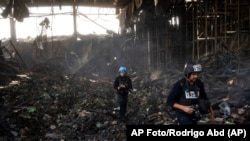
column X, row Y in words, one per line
column 90, row 20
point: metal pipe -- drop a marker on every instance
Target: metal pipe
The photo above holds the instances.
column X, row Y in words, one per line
column 93, row 21
column 13, row 46
column 74, row 19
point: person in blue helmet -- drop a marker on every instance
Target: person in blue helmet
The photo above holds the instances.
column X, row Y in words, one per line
column 122, row 85
column 188, row 97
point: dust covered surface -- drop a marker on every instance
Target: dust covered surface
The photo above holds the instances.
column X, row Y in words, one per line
column 47, row 103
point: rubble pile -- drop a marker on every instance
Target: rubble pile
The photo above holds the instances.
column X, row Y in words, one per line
column 53, row 66
column 62, row 107
column 8, row 70
column 47, row 103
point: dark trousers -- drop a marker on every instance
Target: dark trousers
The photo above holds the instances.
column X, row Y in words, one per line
column 185, row 119
column 122, row 100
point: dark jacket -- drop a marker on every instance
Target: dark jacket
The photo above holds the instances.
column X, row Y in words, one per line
column 126, row 81
column 185, row 94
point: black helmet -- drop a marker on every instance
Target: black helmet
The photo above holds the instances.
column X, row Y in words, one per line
column 192, row 67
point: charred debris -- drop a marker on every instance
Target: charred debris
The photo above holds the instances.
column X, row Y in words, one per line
column 61, row 88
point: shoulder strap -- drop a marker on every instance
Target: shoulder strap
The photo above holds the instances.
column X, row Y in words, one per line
column 183, row 83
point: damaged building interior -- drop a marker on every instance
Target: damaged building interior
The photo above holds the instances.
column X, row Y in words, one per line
column 59, row 59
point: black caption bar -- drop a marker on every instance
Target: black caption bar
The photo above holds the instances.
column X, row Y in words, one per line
column 227, row 132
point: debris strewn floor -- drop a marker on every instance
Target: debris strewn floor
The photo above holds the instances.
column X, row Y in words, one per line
column 45, row 103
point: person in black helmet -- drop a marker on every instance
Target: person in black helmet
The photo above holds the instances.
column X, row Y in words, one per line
column 122, row 85
column 186, row 95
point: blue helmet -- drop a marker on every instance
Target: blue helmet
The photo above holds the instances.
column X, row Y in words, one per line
column 122, row 70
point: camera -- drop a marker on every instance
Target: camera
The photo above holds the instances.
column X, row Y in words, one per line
column 198, row 115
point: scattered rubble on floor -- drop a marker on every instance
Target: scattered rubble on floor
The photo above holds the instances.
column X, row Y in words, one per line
column 47, row 103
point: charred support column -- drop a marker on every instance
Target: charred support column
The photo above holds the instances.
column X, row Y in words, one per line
column 193, row 25
column 198, row 31
column 74, row 18
column 149, row 49
column 13, row 29
column 238, row 25
column 225, row 21
column 206, row 26
column 216, row 27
